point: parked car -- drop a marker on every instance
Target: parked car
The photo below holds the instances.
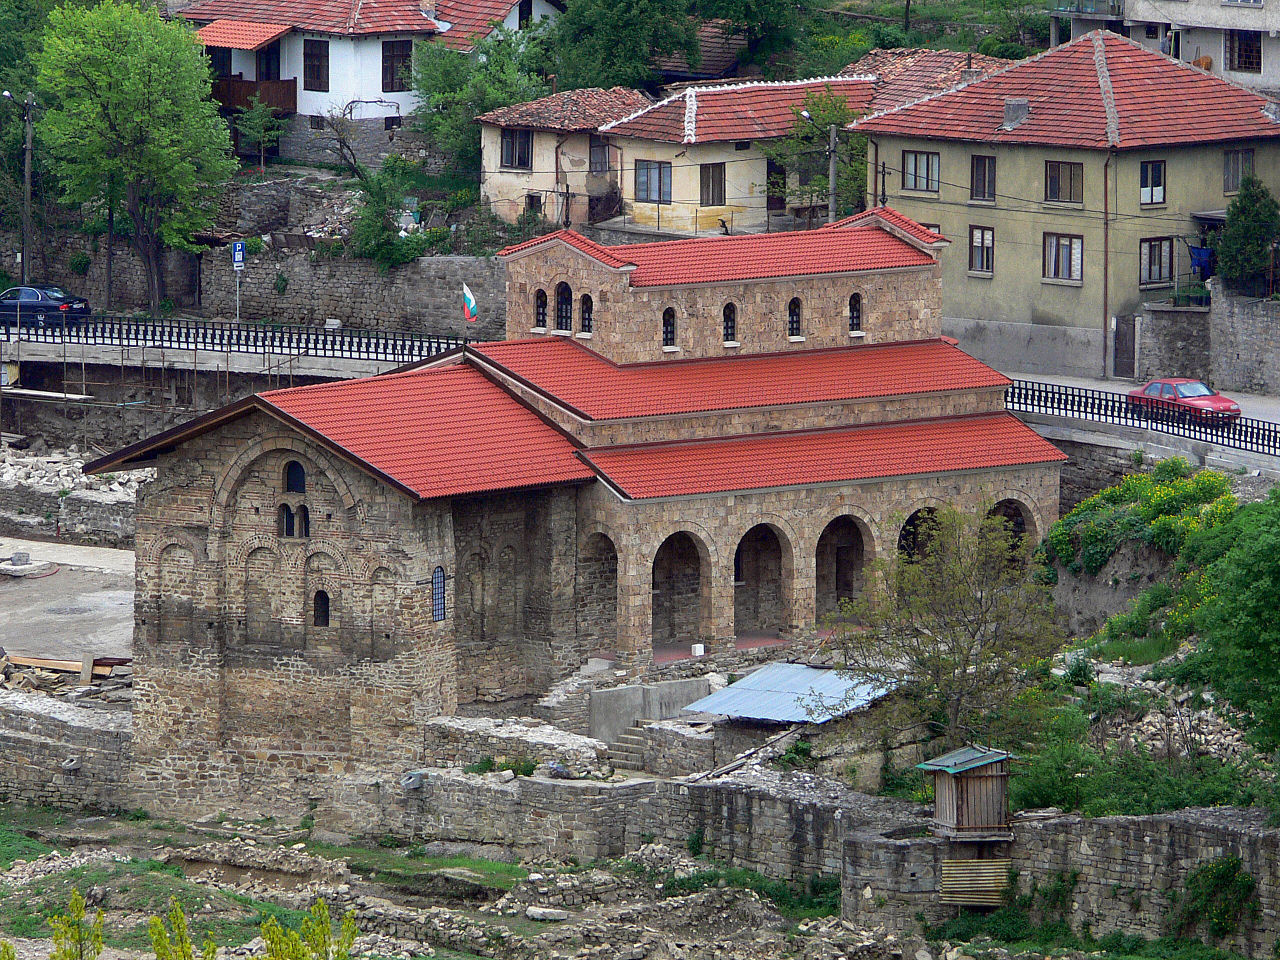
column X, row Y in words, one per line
column 1176, row 397
column 41, row 306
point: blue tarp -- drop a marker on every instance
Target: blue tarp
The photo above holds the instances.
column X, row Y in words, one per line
column 789, row 693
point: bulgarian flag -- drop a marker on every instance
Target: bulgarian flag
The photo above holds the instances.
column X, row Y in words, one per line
column 470, row 312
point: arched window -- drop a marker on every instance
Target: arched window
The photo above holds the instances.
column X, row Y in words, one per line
column 855, row 313
column 564, row 307
column 295, row 478
column 304, row 521
column 584, row 313
column 669, row 327
column 793, row 318
column 320, row 609
column 284, row 523
column 437, row 594
column 540, row 309
column 730, row 323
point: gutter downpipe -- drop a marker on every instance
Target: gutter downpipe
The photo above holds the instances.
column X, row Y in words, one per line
column 1107, row 332
column 873, row 170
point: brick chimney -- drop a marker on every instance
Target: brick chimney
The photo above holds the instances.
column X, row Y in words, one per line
column 970, row 72
column 1016, row 110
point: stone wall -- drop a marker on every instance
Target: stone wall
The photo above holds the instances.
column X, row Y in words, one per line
column 1244, row 335
column 60, row 755
column 81, row 516
column 371, row 141
column 458, row 741
column 1090, row 468
column 1173, row 341
column 424, row 295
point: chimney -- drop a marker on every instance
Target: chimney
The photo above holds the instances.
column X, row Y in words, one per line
column 428, row 8
column 1016, row 110
column 969, row 73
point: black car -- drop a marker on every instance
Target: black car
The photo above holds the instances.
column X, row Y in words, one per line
column 41, row 306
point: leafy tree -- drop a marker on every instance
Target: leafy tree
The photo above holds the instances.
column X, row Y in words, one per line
column 769, row 26
column 174, row 942
column 503, row 68
column 953, row 622
column 802, row 153
column 128, row 101
column 260, row 127
column 605, row 43
column 73, row 938
column 314, row 940
column 1253, row 221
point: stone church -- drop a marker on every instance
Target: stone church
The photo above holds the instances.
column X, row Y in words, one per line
column 690, row 442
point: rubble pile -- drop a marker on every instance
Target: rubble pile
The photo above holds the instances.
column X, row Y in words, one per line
column 285, row 875
column 64, row 470
column 66, row 683
column 24, row 872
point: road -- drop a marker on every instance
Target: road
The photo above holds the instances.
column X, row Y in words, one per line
column 1257, row 406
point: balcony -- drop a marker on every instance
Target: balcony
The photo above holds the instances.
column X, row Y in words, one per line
column 235, row 94
column 1106, row 9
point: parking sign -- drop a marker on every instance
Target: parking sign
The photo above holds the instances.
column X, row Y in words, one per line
column 237, row 254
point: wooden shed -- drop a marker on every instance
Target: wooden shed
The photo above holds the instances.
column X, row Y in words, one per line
column 971, row 794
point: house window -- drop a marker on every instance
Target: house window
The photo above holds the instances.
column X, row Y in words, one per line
column 540, row 309
column 982, row 249
column 982, row 178
column 315, row 65
column 599, row 155
column 220, row 62
column 855, row 313
column 1155, row 261
column 396, row 55
column 1152, row 181
column 712, row 177
column 320, row 609
column 437, row 594
column 517, row 149
column 669, row 327
column 730, row 323
column 284, row 521
column 564, row 307
column 304, row 521
column 1063, row 182
column 295, row 478
column 653, row 181
column 935, row 227
column 793, row 318
column 1236, row 165
column 316, row 122
column 392, row 123
column 525, row 14
column 1063, row 257
column 1243, row 50
column 586, row 321
column 742, row 145
column 533, row 203
column 921, row 171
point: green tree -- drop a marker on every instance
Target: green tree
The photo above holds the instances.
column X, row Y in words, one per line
column 174, row 941
column 802, row 154
column 128, row 100
column 606, row 43
column 260, row 127
column 503, row 68
column 314, row 940
column 1253, row 220
column 73, row 938
column 952, row 622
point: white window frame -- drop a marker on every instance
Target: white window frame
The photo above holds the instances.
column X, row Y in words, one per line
column 983, row 241
column 1152, row 194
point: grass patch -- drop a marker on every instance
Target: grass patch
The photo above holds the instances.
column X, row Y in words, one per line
column 819, row 896
column 16, row 846
column 407, row 869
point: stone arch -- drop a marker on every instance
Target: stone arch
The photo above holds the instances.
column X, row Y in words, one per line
column 331, row 550
column 175, row 605
column 681, row 597
column 597, row 600
column 763, row 582
column 913, row 536
column 1017, row 507
column 323, row 574
column 262, row 597
column 845, row 547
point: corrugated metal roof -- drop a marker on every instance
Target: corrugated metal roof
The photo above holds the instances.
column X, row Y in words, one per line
column 965, row 758
column 789, row 693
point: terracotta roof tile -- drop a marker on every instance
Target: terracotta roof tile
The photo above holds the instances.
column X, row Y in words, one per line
column 829, row 456
column 1098, row 91
column 601, row 390
column 570, row 111
column 437, row 432
column 470, row 20
column 592, row 249
column 345, row 17
column 240, row 34
column 891, row 216
column 720, row 46
column 904, row 74
column 740, row 111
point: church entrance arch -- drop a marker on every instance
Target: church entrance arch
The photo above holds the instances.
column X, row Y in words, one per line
column 844, row 549
column 597, row 606
column 761, row 584
column 681, row 596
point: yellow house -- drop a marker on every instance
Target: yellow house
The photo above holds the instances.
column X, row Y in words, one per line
column 1071, row 185
column 546, row 156
column 692, row 162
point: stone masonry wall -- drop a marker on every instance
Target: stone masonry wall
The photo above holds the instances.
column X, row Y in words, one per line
column 82, row 516
column 458, row 741
column 1245, row 344
column 1173, row 341
column 371, row 142
column 60, row 755
column 424, row 295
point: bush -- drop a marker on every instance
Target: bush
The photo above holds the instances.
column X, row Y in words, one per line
column 254, row 245
column 1217, row 896
column 79, row 263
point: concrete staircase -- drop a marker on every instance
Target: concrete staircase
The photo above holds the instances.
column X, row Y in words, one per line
column 627, row 752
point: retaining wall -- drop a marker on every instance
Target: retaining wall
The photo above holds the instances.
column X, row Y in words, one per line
column 82, row 516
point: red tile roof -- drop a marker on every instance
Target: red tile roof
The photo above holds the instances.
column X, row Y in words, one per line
column 571, row 111
column 470, row 20
column 1097, row 92
column 827, row 456
column 740, row 111
column 720, row 46
column 435, row 432
column 891, row 217
column 756, row 256
column 345, row 17
column 904, row 74
column 599, row 389
column 240, row 34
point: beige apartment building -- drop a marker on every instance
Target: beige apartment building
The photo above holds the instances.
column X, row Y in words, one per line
column 1072, row 187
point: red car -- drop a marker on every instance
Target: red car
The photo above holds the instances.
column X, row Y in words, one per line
column 1164, row 399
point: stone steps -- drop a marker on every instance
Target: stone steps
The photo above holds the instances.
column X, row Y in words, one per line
column 627, row 752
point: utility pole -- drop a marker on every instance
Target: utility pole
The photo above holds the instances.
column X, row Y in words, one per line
column 28, row 111
column 831, row 175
